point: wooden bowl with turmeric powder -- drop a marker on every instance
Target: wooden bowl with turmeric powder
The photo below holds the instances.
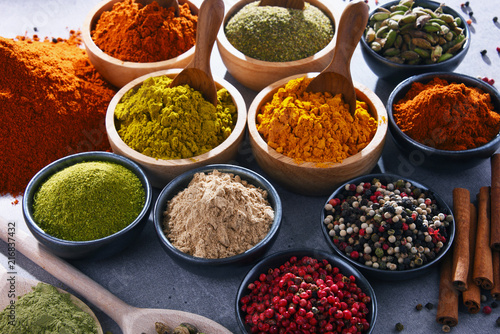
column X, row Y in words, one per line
column 256, row 71
column 444, row 120
column 312, row 154
column 166, row 137
column 125, row 40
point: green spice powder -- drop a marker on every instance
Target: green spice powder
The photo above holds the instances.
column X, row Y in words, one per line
column 46, row 310
column 173, row 123
column 278, row 34
column 88, row 201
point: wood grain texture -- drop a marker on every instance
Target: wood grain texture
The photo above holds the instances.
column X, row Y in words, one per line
column 160, row 171
column 307, row 178
column 132, row 320
column 118, row 72
column 258, row 74
column 336, row 77
column 293, row 4
column 197, row 73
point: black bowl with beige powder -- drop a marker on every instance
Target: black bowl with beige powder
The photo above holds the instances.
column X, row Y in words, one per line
column 216, row 215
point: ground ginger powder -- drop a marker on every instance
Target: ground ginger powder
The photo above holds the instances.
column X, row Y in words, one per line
column 218, row 215
column 173, row 123
column 314, row 127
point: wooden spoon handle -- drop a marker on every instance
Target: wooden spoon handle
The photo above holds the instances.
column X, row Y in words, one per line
column 209, row 21
column 66, row 273
column 295, row 4
column 350, row 30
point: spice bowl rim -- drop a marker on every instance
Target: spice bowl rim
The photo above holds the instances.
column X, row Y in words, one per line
column 181, row 182
column 280, row 257
column 469, row 157
column 243, row 67
column 359, row 163
column 396, row 275
column 161, row 171
column 89, row 248
column 392, row 71
column 120, row 72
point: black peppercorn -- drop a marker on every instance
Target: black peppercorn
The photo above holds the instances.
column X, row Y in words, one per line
column 429, row 306
column 399, row 327
column 483, row 52
column 495, row 19
column 418, row 307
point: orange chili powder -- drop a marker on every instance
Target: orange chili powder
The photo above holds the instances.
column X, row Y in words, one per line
column 52, row 104
column 137, row 33
column 447, row 116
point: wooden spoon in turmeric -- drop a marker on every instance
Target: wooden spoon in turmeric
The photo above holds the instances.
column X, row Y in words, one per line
column 170, row 3
column 336, row 77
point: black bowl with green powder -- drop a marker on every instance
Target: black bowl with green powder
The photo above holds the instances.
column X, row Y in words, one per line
column 87, row 205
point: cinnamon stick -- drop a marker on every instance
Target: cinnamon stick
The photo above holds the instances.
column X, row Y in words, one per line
column 447, row 310
column 495, row 292
column 472, row 296
column 461, row 212
column 483, row 263
column 495, row 202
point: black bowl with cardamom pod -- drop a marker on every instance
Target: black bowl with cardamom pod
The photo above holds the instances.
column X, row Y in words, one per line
column 409, row 37
column 387, row 226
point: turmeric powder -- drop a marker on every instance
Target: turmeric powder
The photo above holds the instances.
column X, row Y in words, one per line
column 314, row 127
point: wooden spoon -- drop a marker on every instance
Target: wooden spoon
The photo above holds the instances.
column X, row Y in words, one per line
column 336, row 77
column 170, row 3
column 25, row 285
column 197, row 73
column 132, row 320
column 295, row 4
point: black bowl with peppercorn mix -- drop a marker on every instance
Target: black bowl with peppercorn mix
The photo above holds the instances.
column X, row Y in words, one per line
column 402, row 40
column 305, row 289
column 388, row 227
column 427, row 155
column 181, row 182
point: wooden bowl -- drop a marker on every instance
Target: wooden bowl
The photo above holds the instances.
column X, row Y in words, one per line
column 119, row 72
column 257, row 74
column 307, row 178
column 160, row 171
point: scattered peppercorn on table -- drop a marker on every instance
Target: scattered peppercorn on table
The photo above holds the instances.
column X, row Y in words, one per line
column 145, row 276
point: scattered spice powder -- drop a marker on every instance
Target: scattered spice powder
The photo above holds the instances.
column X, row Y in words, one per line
column 314, row 127
column 218, row 215
column 137, row 33
column 52, row 103
column 447, row 116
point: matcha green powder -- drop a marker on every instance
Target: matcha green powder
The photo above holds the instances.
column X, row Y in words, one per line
column 46, row 311
column 278, row 34
column 88, row 201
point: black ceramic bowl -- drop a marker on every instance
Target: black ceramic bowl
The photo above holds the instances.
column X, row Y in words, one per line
column 277, row 259
column 93, row 249
column 421, row 154
column 181, row 182
column 386, row 274
column 395, row 72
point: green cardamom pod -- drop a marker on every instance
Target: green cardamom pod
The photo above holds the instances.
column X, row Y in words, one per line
column 409, row 55
column 421, row 43
column 380, row 16
column 422, row 53
column 444, row 56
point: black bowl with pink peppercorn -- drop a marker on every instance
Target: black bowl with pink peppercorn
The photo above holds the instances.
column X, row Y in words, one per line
column 387, row 226
column 303, row 290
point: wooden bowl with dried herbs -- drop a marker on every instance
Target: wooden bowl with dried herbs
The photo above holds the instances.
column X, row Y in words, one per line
column 281, row 42
column 310, row 151
column 409, row 37
column 122, row 49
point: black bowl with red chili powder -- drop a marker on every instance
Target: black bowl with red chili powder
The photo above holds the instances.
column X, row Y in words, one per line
column 440, row 119
column 387, row 226
column 305, row 290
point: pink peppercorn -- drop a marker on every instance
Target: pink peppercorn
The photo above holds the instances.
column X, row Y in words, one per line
column 487, row 309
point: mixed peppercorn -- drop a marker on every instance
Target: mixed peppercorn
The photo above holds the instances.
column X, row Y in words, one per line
column 393, row 226
column 306, row 295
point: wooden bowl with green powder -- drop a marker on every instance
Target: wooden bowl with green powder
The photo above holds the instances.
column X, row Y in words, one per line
column 169, row 131
column 122, row 39
column 87, row 205
column 311, row 149
column 280, row 43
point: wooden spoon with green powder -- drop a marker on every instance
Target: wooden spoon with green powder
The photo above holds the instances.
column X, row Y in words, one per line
column 132, row 320
column 197, row 73
column 336, row 77
column 18, row 286
column 294, row 4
